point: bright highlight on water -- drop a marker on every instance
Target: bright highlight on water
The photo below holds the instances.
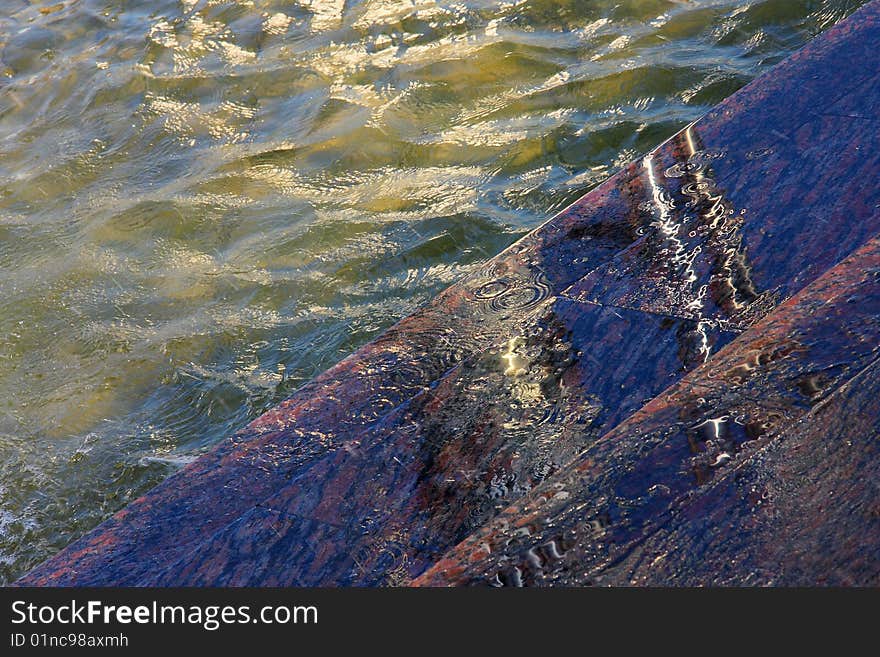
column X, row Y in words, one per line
column 203, row 204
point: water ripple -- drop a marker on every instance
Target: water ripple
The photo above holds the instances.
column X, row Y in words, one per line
column 205, row 204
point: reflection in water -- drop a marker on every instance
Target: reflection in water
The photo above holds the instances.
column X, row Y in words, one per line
column 204, row 204
column 693, row 248
column 493, row 429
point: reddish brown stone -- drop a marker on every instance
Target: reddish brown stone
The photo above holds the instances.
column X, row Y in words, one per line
column 693, row 467
column 375, row 469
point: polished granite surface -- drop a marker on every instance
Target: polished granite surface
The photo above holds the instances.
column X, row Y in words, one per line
column 673, row 381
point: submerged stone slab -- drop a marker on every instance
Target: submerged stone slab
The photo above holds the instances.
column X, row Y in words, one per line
column 692, row 469
column 446, row 462
column 352, row 398
column 371, row 472
column 726, row 245
column 803, row 511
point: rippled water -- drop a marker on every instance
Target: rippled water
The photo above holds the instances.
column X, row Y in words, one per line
column 204, row 203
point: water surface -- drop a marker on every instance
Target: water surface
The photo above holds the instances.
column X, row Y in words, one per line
column 205, row 203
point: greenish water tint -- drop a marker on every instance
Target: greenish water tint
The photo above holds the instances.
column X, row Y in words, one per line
column 205, row 203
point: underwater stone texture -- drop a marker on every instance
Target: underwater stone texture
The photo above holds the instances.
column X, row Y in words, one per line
column 760, row 467
column 673, row 381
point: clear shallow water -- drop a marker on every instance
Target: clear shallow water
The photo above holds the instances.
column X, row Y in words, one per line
column 203, row 204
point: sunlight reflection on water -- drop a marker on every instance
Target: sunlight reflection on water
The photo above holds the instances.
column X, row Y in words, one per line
column 204, row 203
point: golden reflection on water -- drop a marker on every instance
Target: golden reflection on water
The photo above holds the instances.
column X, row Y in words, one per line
column 204, row 203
